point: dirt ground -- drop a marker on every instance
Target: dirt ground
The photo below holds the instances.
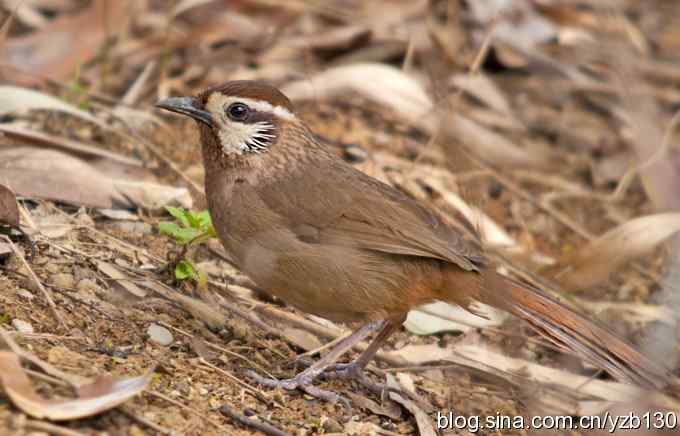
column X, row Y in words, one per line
column 551, row 199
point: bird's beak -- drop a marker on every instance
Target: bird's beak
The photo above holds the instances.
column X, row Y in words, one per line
column 188, row 106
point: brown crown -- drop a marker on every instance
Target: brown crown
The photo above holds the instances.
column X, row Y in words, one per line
column 249, row 89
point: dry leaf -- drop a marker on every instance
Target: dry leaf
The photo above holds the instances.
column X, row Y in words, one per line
column 302, row 338
column 68, row 41
column 593, row 263
column 487, row 360
column 103, row 394
column 9, row 210
column 52, row 175
column 407, row 97
column 73, row 147
column 397, row 90
column 121, row 279
column 442, row 317
column 425, row 425
column 152, row 196
column 14, row 99
column 484, row 89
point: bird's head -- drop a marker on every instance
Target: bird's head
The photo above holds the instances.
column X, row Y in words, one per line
column 239, row 119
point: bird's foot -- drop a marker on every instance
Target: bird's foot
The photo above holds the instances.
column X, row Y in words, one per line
column 354, row 371
column 304, row 382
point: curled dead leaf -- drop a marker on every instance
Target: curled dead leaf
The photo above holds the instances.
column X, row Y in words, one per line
column 9, row 210
column 441, row 317
column 101, row 395
column 593, row 263
column 16, row 99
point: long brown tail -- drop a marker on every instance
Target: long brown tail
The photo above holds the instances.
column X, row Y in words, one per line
column 567, row 329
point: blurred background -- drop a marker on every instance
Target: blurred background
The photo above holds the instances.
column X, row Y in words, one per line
column 547, row 126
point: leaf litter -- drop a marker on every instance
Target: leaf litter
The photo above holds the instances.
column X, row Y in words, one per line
column 528, row 107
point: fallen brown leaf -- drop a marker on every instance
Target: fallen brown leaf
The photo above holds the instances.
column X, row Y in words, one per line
column 593, row 263
column 103, row 394
column 53, row 175
column 9, row 210
column 67, row 42
column 425, row 424
column 15, row 99
column 302, row 338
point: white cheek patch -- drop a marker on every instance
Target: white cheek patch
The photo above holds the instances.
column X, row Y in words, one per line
column 235, row 137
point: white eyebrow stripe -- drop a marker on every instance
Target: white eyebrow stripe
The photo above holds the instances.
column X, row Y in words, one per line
column 217, row 103
column 265, row 106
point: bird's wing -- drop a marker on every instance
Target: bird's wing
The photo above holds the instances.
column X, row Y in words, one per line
column 333, row 203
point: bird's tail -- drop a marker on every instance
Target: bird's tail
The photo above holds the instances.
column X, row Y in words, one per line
column 567, row 329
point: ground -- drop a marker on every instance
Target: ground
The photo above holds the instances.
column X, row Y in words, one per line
column 100, row 323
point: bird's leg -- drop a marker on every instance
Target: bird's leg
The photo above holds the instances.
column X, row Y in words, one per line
column 304, row 380
column 355, row 370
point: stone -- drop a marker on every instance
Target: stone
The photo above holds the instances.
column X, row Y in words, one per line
column 22, row 326
column 159, row 335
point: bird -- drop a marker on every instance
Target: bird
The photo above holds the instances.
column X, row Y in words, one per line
column 332, row 241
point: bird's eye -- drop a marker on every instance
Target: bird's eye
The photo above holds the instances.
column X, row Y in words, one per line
column 238, row 111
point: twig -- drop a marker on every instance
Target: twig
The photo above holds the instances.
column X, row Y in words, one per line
column 35, row 279
column 50, row 428
column 263, row 427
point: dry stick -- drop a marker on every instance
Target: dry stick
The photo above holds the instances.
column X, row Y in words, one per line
column 145, row 422
column 48, row 297
column 261, row 426
column 50, row 428
column 188, row 409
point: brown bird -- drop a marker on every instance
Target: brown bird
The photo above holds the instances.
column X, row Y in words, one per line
column 337, row 243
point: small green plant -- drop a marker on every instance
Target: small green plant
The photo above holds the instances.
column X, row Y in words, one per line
column 191, row 228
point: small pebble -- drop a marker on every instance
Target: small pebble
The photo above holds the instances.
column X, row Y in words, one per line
column 332, row 426
column 159, row 335
column 22, row 326
column 23, row 293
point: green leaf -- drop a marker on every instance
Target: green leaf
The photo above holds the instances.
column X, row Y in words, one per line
column 185, row 270
column 180, row 214
column 204, row 219
column 182, row 235
column 167, row 228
